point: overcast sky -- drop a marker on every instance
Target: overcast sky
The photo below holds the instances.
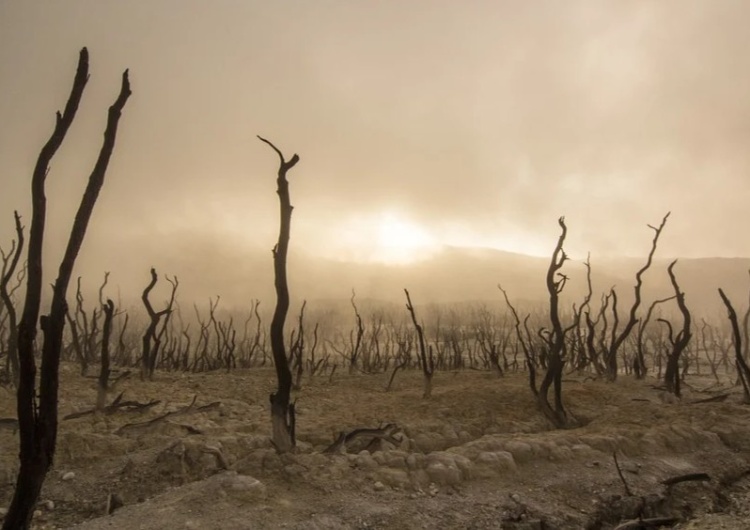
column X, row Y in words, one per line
column 458, row 122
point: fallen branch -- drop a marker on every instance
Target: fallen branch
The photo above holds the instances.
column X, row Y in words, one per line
column 685, row 478
column 116, row 405
column 385, row 434
column 654, row 522
column 184, row 410
column 713, row 399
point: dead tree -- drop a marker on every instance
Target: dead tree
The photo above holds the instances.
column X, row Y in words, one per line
column 555, row 340
column 297, row 348
column 282, row 410
column 355, row 340
column 742, row 368
column 104, row 371
column 151, row 340
column 680, row 342
column 428, row 363
column 527, row 351
column 38, row 418
column 639, row 363
column 10, row 262
column 618, row 339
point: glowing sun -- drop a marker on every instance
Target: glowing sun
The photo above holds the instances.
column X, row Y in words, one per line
column 384, row 237
column 399, row 240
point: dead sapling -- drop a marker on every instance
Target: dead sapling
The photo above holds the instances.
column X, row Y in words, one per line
column 427, row 361
column 10, row 263
column 355, row 337
column 103, row 384
column 297, row 348
column 531, row 361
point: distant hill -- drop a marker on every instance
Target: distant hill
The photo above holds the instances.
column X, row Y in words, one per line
column 207, row 267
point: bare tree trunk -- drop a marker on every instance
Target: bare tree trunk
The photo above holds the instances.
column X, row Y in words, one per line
column 282, row 411
column 556, row 339
column 109, row 311
column 680, row 342
column 151, row 341
column 742, row 368
column 428, row 363
column 38, row 420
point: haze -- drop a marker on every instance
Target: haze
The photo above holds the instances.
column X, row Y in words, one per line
column 419, row 124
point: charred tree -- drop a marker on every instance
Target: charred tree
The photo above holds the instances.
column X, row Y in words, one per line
column 742, row 368
column 427, row 362
column 282, row 410
column 104, row 371
column 356, row 337
column 10, row 263
column 531, row 362
column 151, row 340
column 37, row 418
column 555, row 340
column 681, row 341
column 639, row 363
column 619, row 339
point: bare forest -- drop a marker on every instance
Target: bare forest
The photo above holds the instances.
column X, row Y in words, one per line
column 623, row 407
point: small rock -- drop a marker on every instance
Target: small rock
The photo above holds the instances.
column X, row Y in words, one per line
column 3, row 512
column 69, row 476
column 516, row 498
column 378, row 486
column 50, row 505
column 37, row 513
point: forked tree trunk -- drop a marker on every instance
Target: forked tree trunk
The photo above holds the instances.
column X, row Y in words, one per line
column 282, row 411
column 38, row 419
column 618, row 339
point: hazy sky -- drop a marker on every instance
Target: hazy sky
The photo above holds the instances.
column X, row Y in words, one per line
column 418, row 122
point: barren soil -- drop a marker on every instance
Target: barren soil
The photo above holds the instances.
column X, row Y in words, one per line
column 475, row 455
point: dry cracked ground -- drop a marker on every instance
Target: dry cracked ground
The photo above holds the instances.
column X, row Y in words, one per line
column 475, row 455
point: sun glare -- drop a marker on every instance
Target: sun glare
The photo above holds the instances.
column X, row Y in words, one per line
column 393, row 238
column 401, row 241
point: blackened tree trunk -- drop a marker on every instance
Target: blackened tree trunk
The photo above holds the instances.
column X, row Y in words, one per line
column 427, row 361
column 556, row 338
column 10, row 262
column 104, row 372
column 150, row 341
column 681, row 341
column 38, row 419
column 743, row 370
column 282, row 410
column 619, row 339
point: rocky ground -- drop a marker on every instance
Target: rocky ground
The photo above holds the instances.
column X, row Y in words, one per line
column 475, row 455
